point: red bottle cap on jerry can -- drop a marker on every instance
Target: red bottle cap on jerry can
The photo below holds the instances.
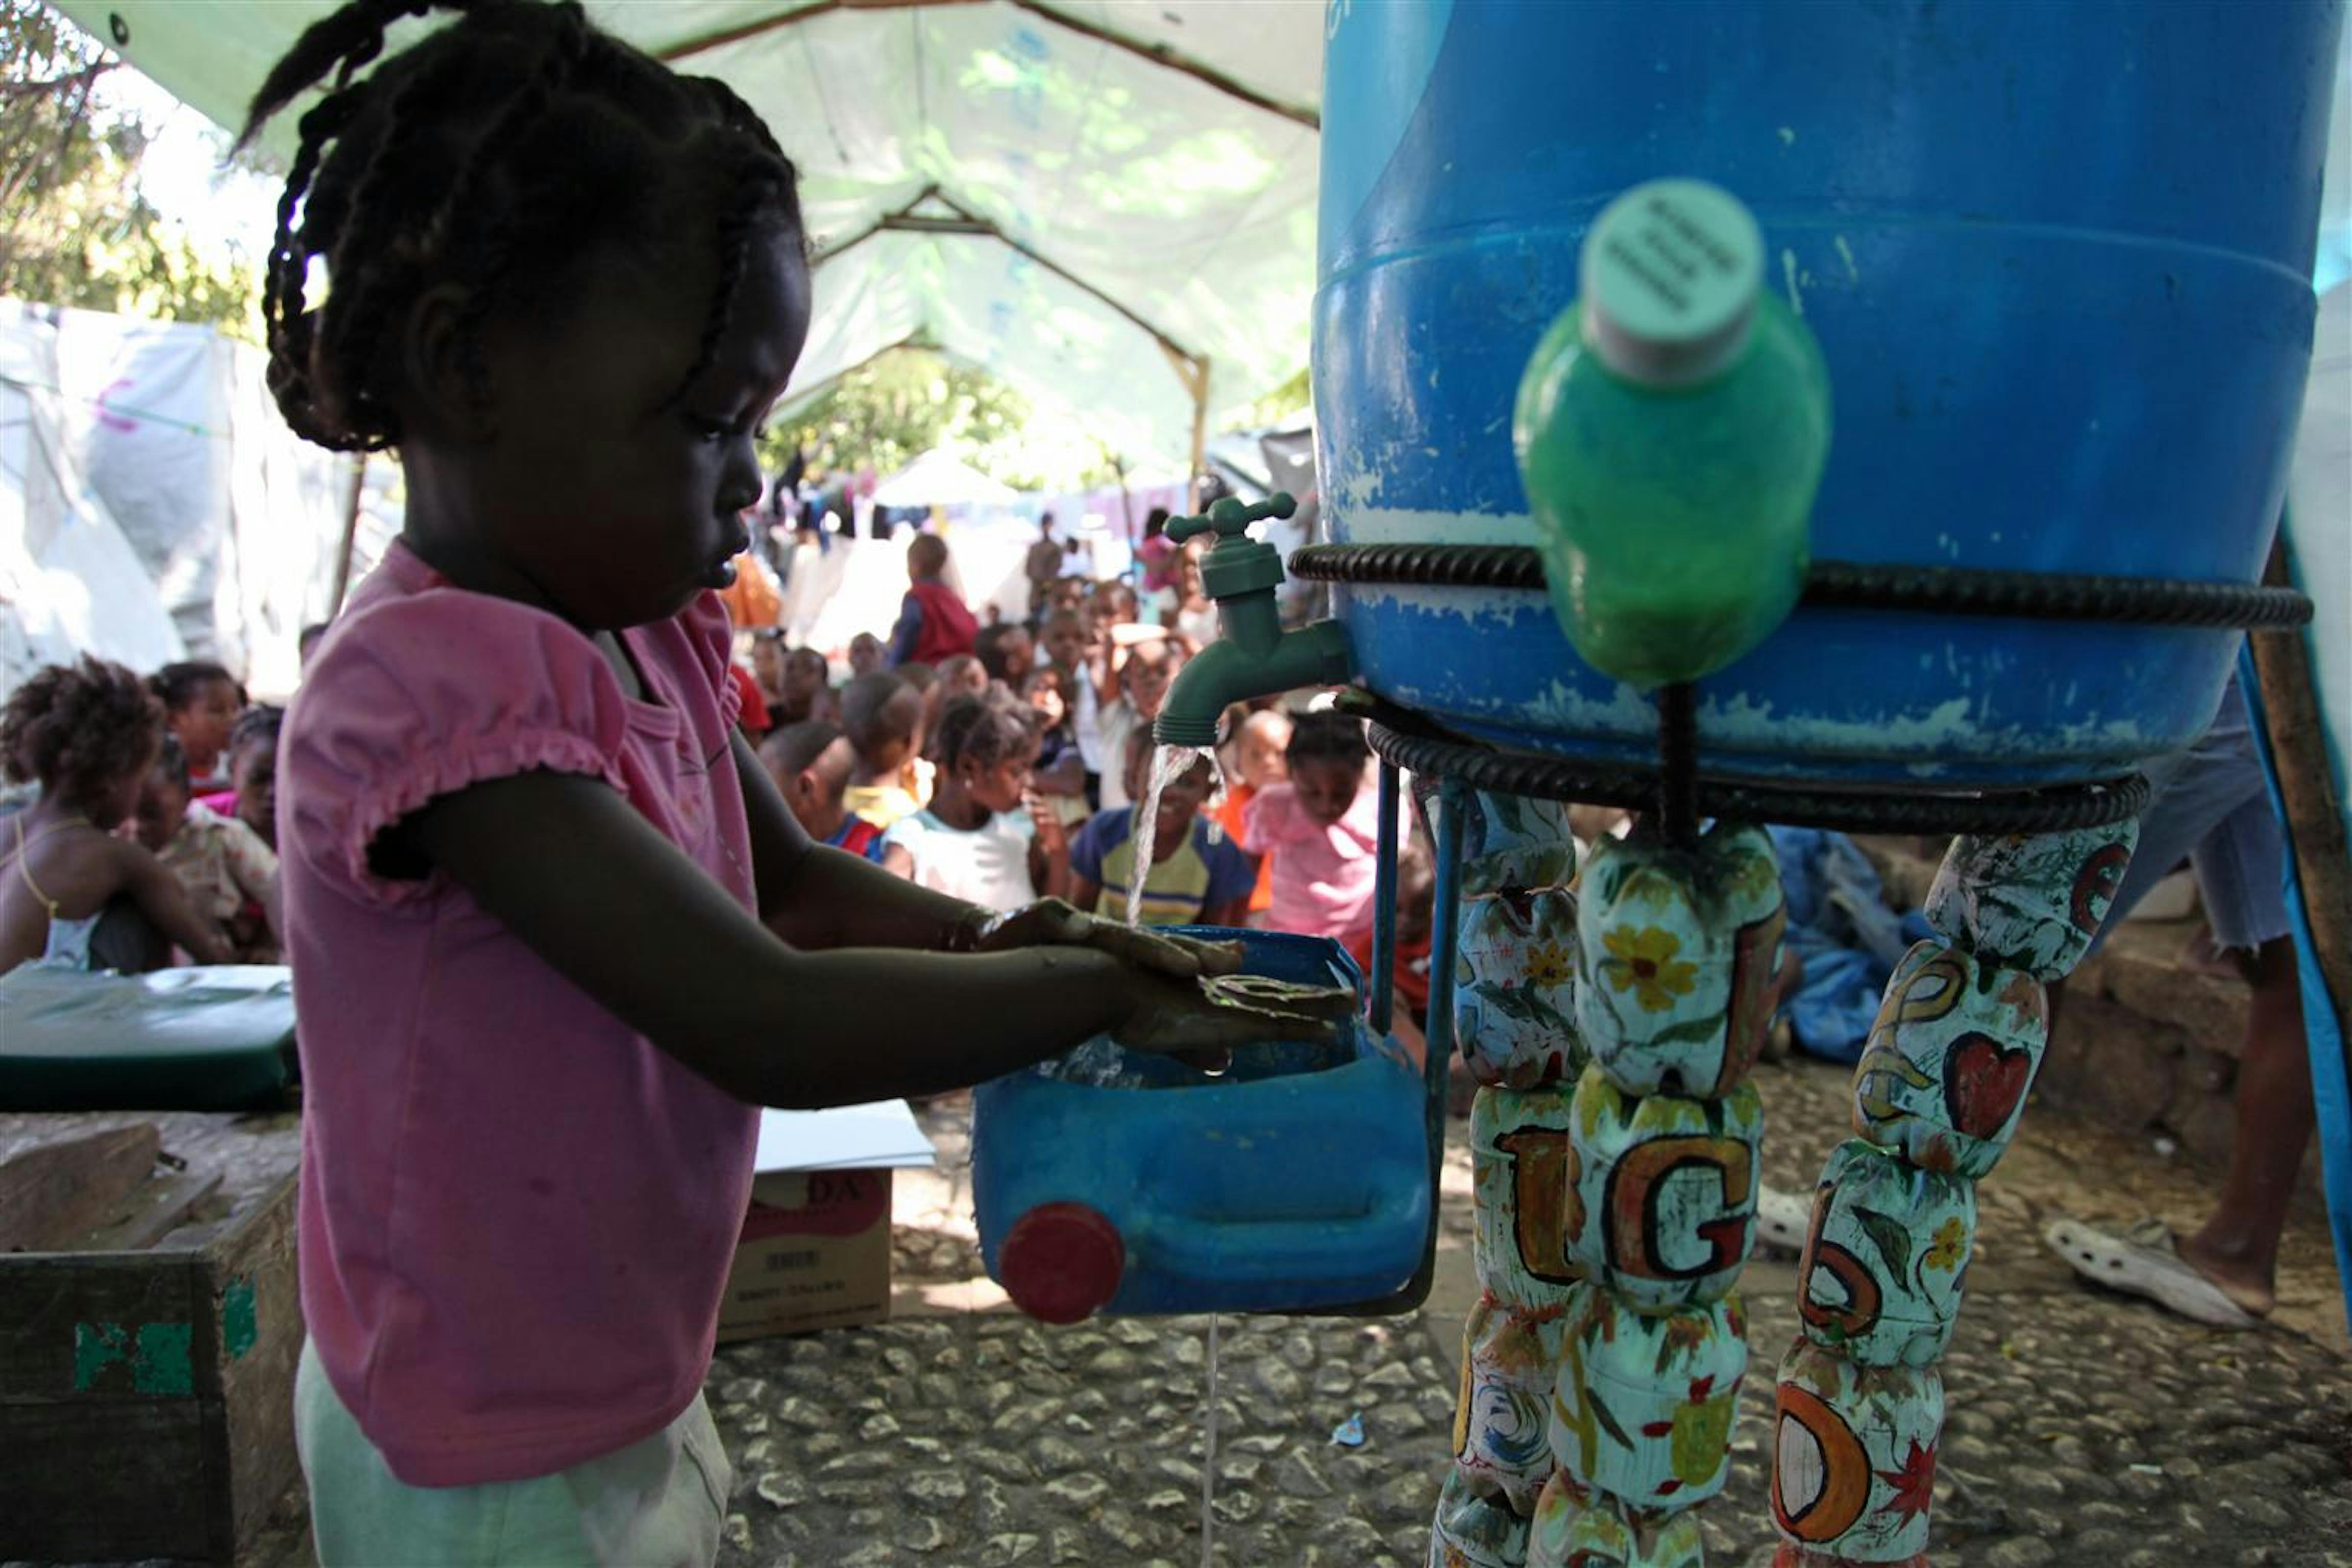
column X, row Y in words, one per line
column 1061, row 1262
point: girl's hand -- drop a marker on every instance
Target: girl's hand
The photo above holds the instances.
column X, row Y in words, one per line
column 1188, row 1019
column 1050, row 922
column 1052, row 837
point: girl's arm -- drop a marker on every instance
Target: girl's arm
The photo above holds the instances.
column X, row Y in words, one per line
column 642, row 929
column 1049, row 853
column 155, row 887
column 253, row 866
column 1083, row 894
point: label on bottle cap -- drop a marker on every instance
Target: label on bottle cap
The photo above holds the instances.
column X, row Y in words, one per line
column 1671, row 272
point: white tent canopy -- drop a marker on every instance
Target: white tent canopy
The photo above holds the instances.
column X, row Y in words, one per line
column 1110, row 203
column 939, row 478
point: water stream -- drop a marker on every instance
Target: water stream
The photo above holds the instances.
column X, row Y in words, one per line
column 1170, row 762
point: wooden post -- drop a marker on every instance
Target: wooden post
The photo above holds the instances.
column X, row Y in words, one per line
column 1192, row 370
column 2314, row 816
column 351, row 535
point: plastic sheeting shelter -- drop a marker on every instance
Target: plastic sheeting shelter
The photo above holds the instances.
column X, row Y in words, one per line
column 153, row 503
column 1111, row 204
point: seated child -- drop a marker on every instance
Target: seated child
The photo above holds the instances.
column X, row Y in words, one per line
column 253, row 769
column 1197, row 876
column 201, row 703
column 1258, row 745
column 1321, row 830
column 880, row 714
column 979, row 840
column 811, row 762
column 934, row 623
column 229, row 870
column 805, row 690
column 1150, row 671
column 90, row 732
column 1058, row 776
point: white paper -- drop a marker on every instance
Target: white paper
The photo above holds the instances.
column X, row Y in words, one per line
column 846, row 1138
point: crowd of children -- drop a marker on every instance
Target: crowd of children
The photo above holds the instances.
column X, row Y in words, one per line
column 142, row 827
column 1007, row 764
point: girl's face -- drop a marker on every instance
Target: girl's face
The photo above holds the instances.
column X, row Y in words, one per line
column 1045, row 700
column 803, row 679
column 1065, row 641
column 590, row 478
column 1148, row 676
column 1187, row 577
column 1261, row 760
column 1019, row 652
column 162, row 806
column 998, row 786
column 963, row 675
column 203, row 726
column 768, row 664
column 1326, row 787
column 254, row 770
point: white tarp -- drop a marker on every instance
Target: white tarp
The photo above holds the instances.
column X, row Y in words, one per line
column 1184, row 198
column 163, row 436
column 70, row 583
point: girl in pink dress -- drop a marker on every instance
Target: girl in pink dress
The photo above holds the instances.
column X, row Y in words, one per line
column 555, row 936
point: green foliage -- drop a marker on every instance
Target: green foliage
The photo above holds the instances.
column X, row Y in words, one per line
column 74, row 227
column 903, row 403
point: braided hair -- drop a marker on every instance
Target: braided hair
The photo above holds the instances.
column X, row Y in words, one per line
column 985, row 730
column 499, row 154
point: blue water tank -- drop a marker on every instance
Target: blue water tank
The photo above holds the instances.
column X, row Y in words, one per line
column 2058, row 259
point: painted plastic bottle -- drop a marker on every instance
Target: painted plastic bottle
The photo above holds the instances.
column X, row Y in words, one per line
column 1671, row 429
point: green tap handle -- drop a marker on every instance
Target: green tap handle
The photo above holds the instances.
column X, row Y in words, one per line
column 1229, row 519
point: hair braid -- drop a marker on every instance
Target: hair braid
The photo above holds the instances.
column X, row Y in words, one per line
column 499, row 155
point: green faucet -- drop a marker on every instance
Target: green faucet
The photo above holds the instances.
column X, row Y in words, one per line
column 1254, row 658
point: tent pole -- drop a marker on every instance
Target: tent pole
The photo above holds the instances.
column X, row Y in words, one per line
column 1200, row 432
column 351, row 535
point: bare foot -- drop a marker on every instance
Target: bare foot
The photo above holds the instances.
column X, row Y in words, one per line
column 2251, row 1288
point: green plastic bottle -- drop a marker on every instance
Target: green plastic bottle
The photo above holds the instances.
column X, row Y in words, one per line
column 1671, row 429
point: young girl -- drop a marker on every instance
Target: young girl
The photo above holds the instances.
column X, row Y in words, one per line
column 89, row 733
column 253, row 769
column 229, row 870
column 1322, row 830
column 554, row 934
column 201, row 703
column 981, row 839
column 1255, row 760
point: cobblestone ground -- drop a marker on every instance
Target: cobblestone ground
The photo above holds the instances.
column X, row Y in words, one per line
column 2086, row 1429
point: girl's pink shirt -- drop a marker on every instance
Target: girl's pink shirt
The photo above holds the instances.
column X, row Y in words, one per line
column 517, row 1214
column 1323, row 874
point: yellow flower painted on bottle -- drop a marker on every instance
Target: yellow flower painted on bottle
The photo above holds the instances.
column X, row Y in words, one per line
column 1548, row 964
column 1951, row 1240
column 1643, row 962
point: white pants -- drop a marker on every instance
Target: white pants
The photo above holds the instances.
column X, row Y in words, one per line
column 657, row 1503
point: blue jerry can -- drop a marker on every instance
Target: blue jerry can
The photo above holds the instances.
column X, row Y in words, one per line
column 1298, row 1179
column 2058, row 259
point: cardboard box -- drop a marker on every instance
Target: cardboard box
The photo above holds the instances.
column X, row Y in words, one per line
column 816, row 1249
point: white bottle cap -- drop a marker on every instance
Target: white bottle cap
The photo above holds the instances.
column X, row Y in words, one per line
column 1669, row 278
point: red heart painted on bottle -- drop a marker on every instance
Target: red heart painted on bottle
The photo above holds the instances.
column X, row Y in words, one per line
column 1983, row 1083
